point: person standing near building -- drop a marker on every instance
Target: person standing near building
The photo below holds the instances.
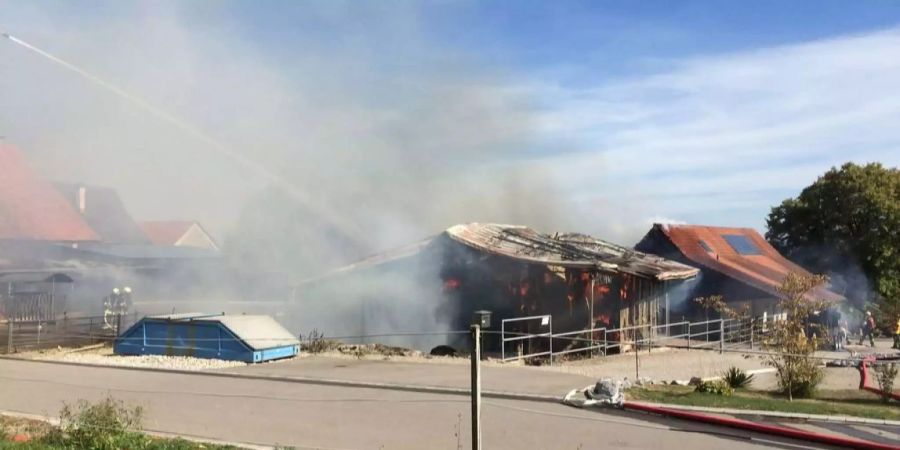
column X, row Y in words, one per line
column 833, row 321
column 868, row 330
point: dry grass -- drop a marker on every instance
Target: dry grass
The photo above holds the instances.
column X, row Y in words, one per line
column 17, row 426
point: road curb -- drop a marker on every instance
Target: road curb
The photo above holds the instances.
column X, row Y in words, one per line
column 834, row 440
column 424, row 389
column 777, row 414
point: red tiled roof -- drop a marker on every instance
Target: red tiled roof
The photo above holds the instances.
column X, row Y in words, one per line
column 30, row 208
column 166, row 232
column 765, row 271
column 104, row 212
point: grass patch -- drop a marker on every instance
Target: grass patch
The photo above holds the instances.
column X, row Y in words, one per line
column 853, row 403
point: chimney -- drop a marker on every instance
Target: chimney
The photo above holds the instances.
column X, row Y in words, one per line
column 82, row 197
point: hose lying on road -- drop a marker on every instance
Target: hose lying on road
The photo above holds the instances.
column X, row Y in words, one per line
column 585, row 398
column 864, row 379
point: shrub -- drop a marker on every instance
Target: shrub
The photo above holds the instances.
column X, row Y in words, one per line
column 792, row 341
column 885, row 374
column 714, row 387
column 105, row 425
column 736, row 378
column 315, row 342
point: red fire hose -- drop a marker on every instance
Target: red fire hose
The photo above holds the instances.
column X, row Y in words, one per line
column 864, row 379
column 761, row 428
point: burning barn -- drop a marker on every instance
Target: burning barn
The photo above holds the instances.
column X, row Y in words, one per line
column 736, row 263
column 511, row 270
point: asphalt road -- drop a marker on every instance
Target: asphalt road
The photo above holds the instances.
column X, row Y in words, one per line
column 316, row 416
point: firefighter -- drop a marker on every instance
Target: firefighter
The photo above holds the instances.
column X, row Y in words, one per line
column 123, row 302
column 868, row 330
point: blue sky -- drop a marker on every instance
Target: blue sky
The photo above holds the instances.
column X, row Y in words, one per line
column 699, row 111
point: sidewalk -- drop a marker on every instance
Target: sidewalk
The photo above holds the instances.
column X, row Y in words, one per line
column 553, row 380
column 453, row 374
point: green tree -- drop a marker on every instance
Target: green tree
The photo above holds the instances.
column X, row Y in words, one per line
column 847, row 224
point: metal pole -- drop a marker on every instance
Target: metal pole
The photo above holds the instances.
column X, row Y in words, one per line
column 721, row 335
column 118, row 324
column 707, row 325
column 551, row 340
column 9, row 335
column 751, row 334
column 666, row 292
column 503, row 340
column 605, row 343
column 637, row 373
column 593, row 279
column 476, row 387
column 689, row 336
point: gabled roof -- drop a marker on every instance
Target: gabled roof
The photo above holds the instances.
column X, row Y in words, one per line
column 758, row 264
column 176, row 232
column 31, row 209
column 166, row 232
column 566, row 250
column 105, row 212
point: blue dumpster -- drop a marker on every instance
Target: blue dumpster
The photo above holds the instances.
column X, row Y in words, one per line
column 248, row 338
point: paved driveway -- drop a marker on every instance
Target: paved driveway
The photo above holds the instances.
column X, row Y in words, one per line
column 316, row 416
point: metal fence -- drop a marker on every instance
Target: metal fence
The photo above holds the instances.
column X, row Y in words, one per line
column 716, row 334
column 31, row 306
column 526, row 340
column 63, row 331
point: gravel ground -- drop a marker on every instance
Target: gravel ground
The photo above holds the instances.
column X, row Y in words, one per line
column 668, row 364
column 413, row 358
column 104, row 356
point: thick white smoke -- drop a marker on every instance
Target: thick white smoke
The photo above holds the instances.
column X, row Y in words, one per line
column 359, row 108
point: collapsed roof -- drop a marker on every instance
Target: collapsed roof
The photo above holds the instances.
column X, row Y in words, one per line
column 569, row 250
